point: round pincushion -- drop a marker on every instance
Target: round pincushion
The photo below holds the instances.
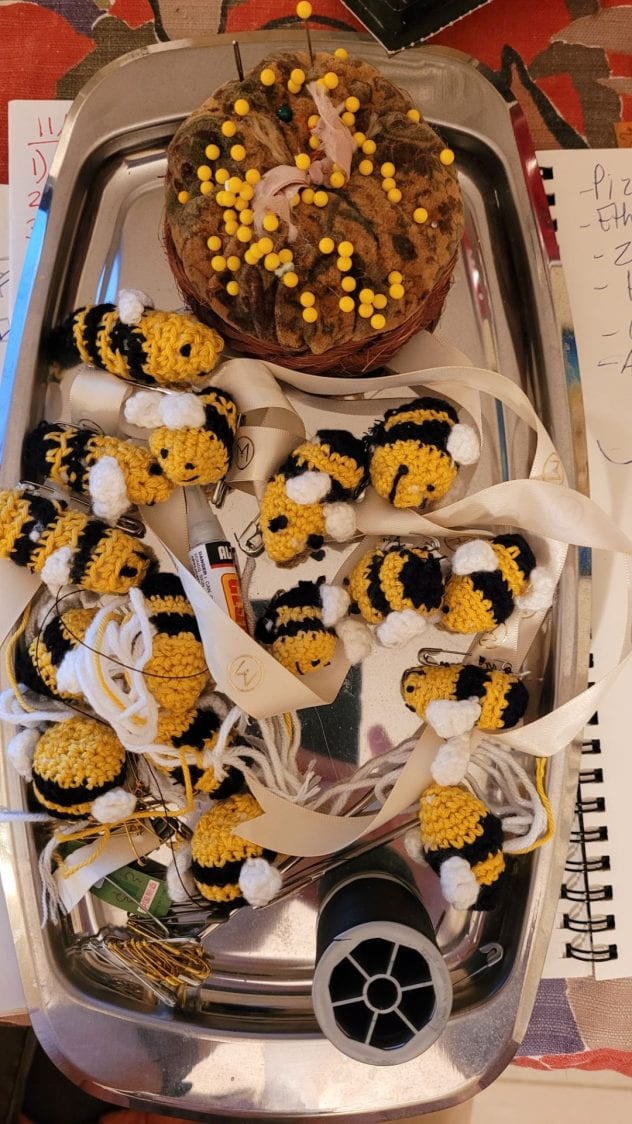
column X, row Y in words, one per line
column 314, row 222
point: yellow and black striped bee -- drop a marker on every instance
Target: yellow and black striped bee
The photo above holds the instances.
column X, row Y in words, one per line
column 415, row 451
column 397, row 588
column 309, row 498
column 192, row 435
column 75, row 762
column 65, row 546
column 75, row 458
column 463, row 843
column 168, row 348
column 220, row 858
column 38, row 664
column 501, row 696
column 176, row 672
column 292, row 628
column 195, row 732
column 488, row 579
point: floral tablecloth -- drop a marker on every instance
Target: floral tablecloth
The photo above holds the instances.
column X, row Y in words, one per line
column 569, row 64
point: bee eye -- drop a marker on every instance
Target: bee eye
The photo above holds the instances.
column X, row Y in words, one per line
column 155, row 469
column 185, row 350
column 315, row 541
column 189, row 465
column 128, row 571
column 315, row 663
column 164, row 453
column 430, row 487
column 278, row 523
column 410, row 689
column 445, row 608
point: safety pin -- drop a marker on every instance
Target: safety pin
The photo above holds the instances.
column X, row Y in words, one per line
column 250, row 540
column 127, row 523
column 430, row 657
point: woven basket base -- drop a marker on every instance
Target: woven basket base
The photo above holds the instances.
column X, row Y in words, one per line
column 346, row 359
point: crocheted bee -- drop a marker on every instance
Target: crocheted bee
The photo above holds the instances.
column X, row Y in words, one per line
column 310, row 496
column 462, row 842
column 37, row 665
column 226, row 868
column 193, row 434
column 115, row 474
column 176, row 673
column 78, row 768
column 195, row 733
column 68, row 546
column 137, row 343
column 416, row 450
column 488, row 579
column 453, row 698
column 292, row 628
column 396, row 588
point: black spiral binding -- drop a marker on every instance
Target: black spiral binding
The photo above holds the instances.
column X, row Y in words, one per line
column 587, row 890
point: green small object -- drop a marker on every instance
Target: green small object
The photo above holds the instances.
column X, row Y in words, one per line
column 284, row 113
column 134, row 891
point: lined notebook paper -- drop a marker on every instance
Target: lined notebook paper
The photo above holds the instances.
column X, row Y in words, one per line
column 590, row 195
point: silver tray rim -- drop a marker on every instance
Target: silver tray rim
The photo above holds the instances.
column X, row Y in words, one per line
column 51, row 998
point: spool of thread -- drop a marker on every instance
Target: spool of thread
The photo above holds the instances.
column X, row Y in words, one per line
column 381, row 991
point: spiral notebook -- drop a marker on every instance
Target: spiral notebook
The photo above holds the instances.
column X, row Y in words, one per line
column 590, row 196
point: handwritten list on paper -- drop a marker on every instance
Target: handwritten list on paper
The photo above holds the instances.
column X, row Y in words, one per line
column 593, row 209
column 34, row 131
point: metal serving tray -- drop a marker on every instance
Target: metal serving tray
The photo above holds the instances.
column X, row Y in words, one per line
column 247, row 1046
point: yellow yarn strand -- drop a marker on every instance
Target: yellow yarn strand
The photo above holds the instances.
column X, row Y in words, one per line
column 541, row 766
column 68, row 871
column 8, row 658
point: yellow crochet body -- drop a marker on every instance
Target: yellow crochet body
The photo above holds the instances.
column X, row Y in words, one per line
column 74, row 624
column 79, row 756
column 509, row 568
column 306, row 652
column 494, row 701
column 429, row 683
column 465, row 609
column 450, row 817
column 321, row 458
column 214, row 844
column 401, row 473
column 303, row 520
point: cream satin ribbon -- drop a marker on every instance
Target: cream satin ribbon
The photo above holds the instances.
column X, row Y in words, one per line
column 549, row 510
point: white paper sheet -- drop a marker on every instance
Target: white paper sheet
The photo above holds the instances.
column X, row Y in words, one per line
column 592, row 204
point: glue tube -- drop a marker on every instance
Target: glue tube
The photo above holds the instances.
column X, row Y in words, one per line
column 212, row 557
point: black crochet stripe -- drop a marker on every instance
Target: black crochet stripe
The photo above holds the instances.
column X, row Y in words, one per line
column 129, row 342
column 204, row 725
column 232, row 783
column 77, row 794
column 60, row 345
column 27, row 673
column 345, row 444
column 305, row 594
column 34, row 449
column 471, row 682
column 174, row 624
column 57, row 640
column 91, row 328
column 438, row 405
column 422, row 581
column 295, row 628
column 226, row 875
column 41, row 514
column 489, row 843
column 376, row 594
column 218, row 422
column 517, row 699
column 93, row 534
column 159, row 584
column 76, row 460
column 488, row 895
column 432, row 432
column 525, row 559
column 493, row 587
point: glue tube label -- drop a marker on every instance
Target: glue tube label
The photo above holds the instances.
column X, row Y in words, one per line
column 213, row 565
